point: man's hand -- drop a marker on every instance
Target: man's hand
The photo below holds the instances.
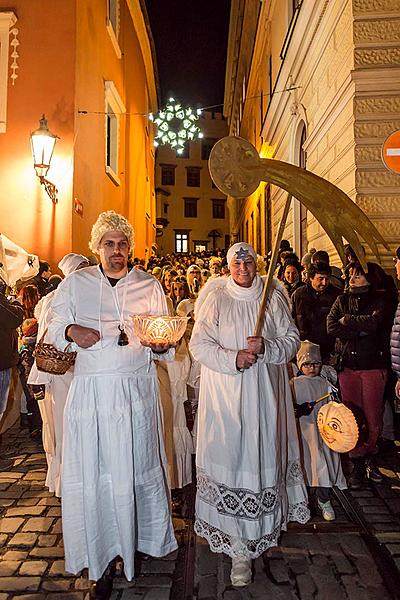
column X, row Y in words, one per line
column 255, row 344
column 397, row 389
column 159, row 348
column 84, row 337
column 245, row 359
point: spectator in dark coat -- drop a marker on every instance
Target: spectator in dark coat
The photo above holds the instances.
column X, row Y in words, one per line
column 41, row 280
column 311, row 305
column 336, row 278
column 11, row 316
column 361, row 320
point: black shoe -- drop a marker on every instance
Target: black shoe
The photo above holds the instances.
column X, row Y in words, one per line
column 355, row 482
column 373, row 473
column 102, row 588
column 357, row 476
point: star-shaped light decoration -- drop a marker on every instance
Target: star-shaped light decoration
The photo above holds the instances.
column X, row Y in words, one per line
column 176, row 125
column 242, row 254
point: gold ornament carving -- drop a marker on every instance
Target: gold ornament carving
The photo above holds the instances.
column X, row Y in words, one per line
column 237, row 170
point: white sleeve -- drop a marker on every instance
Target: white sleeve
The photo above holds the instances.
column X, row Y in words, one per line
column 63, row 313
column 282, row 347
column 204, row 343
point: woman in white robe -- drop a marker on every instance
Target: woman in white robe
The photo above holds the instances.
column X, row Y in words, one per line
column 56, row 386
column 250, row 482
column 115, row 497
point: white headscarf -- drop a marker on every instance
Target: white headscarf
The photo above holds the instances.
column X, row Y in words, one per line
column 241, row 250
column 70, row 262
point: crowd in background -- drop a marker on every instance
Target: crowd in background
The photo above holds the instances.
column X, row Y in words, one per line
column 338, row 310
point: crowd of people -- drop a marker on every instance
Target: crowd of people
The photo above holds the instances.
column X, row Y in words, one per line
column 114, row 427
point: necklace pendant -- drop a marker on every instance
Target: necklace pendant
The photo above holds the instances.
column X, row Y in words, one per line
column 123, row 339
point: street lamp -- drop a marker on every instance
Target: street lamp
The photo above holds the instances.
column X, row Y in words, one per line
column 42, row 143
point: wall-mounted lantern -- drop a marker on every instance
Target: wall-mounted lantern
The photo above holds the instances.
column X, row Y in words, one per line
column 42, row 143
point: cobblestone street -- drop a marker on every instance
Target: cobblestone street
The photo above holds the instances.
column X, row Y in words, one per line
column 320, row 560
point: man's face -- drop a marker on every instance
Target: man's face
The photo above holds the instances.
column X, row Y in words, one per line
column 46, row 274
column 243, row 271
column 114, row 251
column 320, row 282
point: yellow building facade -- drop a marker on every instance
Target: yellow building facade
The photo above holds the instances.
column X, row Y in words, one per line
column 88, row 65
column 192, row 214
column 316, row 83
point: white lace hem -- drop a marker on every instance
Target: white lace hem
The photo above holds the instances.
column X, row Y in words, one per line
column 234, row 547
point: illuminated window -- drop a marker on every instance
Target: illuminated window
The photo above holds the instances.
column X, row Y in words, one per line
column 181, row 242
column 193, row 176
column 114, row 109
column 218, row 209
column 190, row 207
column 113, row 24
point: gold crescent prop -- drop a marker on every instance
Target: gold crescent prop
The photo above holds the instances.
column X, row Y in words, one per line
column 237, row 170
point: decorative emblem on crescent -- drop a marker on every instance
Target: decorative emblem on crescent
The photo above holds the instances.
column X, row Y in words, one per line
column 237, row 170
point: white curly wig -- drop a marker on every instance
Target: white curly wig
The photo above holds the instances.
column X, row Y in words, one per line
column 110, row 221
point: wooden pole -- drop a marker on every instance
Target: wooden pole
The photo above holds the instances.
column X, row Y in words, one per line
column 271, row 268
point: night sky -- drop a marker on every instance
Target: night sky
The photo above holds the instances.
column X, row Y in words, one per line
column 191, row 45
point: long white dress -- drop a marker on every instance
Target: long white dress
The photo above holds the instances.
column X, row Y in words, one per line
column 52, row 406
column 115, row 497
column 250, row 482
column 322, row 466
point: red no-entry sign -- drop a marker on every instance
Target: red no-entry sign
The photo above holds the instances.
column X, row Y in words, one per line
column 391, row 152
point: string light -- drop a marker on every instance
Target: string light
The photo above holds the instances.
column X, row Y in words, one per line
column 199, row 111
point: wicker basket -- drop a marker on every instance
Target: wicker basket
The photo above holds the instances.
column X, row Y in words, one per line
column 51, row 360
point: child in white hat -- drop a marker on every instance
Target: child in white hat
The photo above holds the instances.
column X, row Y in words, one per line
column 322, row 467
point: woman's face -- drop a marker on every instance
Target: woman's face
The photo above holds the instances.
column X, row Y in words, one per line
column 291, row 274
column 178, row 289
column 194, row 274
column 215, row 268
column 357, row 279
column 167, row 281
column 243, row 271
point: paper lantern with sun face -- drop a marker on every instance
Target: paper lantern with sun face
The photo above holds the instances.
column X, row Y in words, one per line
column 159, row 330
column 338, row 427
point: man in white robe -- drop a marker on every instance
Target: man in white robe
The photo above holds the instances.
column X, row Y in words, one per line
column 249, row 478
column 115, row 498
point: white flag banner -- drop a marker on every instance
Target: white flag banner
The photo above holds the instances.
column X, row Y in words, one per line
column 15, row 262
